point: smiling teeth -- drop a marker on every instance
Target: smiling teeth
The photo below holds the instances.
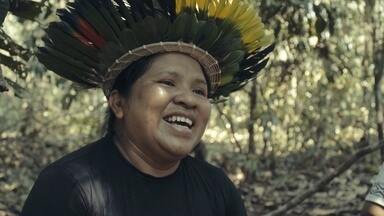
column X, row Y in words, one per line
column 175, row 119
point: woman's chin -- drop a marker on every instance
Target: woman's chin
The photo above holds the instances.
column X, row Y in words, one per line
column 177, row 150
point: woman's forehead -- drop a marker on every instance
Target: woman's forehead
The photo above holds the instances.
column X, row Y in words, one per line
column 175, row 64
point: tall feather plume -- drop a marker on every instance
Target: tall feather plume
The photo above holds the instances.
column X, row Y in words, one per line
column 92, row 34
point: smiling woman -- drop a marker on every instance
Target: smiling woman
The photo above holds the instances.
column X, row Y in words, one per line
column 170, row 108
column 159, row 78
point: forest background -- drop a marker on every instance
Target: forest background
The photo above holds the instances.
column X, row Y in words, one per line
column 303, row 138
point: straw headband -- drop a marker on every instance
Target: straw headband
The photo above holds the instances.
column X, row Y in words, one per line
column 208, row 62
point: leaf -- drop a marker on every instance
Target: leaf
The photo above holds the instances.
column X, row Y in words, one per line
column 4, row 7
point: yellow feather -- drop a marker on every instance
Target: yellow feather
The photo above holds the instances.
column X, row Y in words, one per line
column 229, row 11
column 220, row 7
column 191, row 4
column 180, row 4
column 212, row 9
column 203, row 5
column 241, row 13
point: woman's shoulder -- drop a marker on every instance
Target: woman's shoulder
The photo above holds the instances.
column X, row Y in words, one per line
column 65, row 180
column 77, row 160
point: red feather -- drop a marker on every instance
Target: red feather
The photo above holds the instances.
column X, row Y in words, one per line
column 82, row 39
column 88, row 31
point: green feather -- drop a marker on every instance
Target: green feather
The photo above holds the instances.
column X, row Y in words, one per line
column 193, row 26
column 224, row 91
column 177, row 28
column 109, row 53
column 226, row 45
column 156, row 27
column 129, row 20
column 70, row 51
column 141, row 33
column 208, row 35
column 254, row 58
column 64, row 69
column 230, row 39
column 252, row 71
column 115, row 14
column 107, row 17
column 88, row 72
column 150, row 30
column 58, row 33
column 228, row 73
column 191, row 23
column 128, row 39
column 92, row 15
column 233, row 57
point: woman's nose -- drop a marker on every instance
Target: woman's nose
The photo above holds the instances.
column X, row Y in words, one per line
column 184, row 98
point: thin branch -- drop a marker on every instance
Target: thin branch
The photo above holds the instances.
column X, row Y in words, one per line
column 327, row 179
column 7, row 43
column 16, row 66
column 231, row 126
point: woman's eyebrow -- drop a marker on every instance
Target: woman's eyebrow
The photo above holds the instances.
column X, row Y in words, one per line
column 176, row 75
column 171, row 73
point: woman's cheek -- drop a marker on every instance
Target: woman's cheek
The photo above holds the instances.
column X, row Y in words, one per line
column 161, row 93
column 206, row 110
column 155, row 95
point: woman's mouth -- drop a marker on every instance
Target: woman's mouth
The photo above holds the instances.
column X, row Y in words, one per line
column 178, row 121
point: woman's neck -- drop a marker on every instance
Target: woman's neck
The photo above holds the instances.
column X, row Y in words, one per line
column 143, row 162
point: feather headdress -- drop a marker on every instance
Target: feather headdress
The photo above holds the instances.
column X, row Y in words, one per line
column 96, row 39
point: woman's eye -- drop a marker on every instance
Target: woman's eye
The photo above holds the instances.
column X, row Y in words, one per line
column 167, row 82
column 200, row 92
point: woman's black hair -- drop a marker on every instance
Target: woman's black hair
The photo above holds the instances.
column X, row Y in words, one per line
column 123, row 85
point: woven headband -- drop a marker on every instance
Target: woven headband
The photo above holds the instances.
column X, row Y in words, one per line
column 208, row 62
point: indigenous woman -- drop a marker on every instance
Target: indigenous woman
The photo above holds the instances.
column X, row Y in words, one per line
column 160, row 64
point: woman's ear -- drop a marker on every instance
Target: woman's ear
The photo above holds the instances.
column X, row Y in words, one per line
column 116, row 103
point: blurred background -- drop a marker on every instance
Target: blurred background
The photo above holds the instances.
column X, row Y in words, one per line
column 316, row 105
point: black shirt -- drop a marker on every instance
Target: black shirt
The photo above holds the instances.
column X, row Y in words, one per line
column 96, row 180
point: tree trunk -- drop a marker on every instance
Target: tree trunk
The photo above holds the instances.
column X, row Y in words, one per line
column 252, row 119
column 378, row 54
column 378, row 102
column 379, row 114
column 3, row 86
